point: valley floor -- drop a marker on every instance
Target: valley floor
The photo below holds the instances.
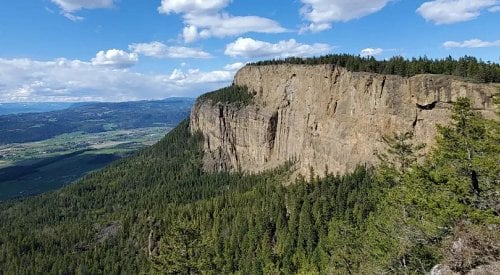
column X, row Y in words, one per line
column 36, row 167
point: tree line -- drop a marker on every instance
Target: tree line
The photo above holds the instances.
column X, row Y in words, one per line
column 467, row 66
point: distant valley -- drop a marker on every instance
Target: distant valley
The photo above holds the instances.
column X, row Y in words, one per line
column 33, row 107
column 93, row 118
column 44, row 151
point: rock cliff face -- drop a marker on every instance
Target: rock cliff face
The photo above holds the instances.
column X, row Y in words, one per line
column 325, row 117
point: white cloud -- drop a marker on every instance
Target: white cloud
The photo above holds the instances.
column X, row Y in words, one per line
column 190, row 34
column 371, row 52
column 72, row 17
column 248, row 47
column 494, row 9
column 191, row 6
column 472, row 43
column 115, row 58
column 322, row 13
column 195, row 76
column 68, row 7
column 75, row 80
column 177, row 74
column 205, row 19
column 313, row 27
column 234, row 67
column 454, row 11
column 75, row 5
column 223, row 25
column 160, row 50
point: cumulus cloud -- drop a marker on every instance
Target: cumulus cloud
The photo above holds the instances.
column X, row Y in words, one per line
column 75, row 80
column 454, row 11
column 205, row 19
column 159, row 50
column 322, row 13
column 223, row 25
column 196, row 76
column 248, row 47
column 234, row 67
column 371, row 52
column 472, row 43
column 190, row 34
column 115, row 58
column 68, row 7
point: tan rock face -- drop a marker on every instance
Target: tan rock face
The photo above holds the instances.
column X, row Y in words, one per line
column 325, row 117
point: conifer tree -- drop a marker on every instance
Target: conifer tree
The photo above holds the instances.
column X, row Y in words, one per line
column 181, row 251
column 468, row 154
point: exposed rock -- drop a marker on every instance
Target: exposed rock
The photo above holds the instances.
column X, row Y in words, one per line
column 325, row 117
column 490, row 269
column 472, row 249
column 108, row 231
column 441, row 269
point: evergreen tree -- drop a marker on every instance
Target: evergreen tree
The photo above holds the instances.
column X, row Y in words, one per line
column 468, row 154
column 181, row 251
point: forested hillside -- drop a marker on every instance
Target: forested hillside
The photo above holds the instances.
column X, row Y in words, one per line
column 159, row 212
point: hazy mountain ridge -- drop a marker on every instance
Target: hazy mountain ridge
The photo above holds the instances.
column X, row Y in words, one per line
column 92, row 118
column 32, row 107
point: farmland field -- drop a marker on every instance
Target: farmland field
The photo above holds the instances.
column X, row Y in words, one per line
column 36, row 167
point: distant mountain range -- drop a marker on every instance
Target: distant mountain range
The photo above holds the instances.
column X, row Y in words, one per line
column 33, row 107
column 88, row 118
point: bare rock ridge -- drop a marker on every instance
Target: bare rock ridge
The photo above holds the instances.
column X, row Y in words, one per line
column 325, row 117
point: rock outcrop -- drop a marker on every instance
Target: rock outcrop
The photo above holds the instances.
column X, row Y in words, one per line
column 325, row 117
column 490, row 269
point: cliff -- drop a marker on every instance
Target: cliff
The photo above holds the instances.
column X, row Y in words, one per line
column 325, row 117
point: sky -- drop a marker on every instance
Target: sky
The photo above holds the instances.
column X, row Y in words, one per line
column 120, row 50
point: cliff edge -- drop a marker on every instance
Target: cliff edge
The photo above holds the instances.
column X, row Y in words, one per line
column 325, row 117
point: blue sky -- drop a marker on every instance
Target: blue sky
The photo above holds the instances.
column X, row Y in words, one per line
column 116, row 50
